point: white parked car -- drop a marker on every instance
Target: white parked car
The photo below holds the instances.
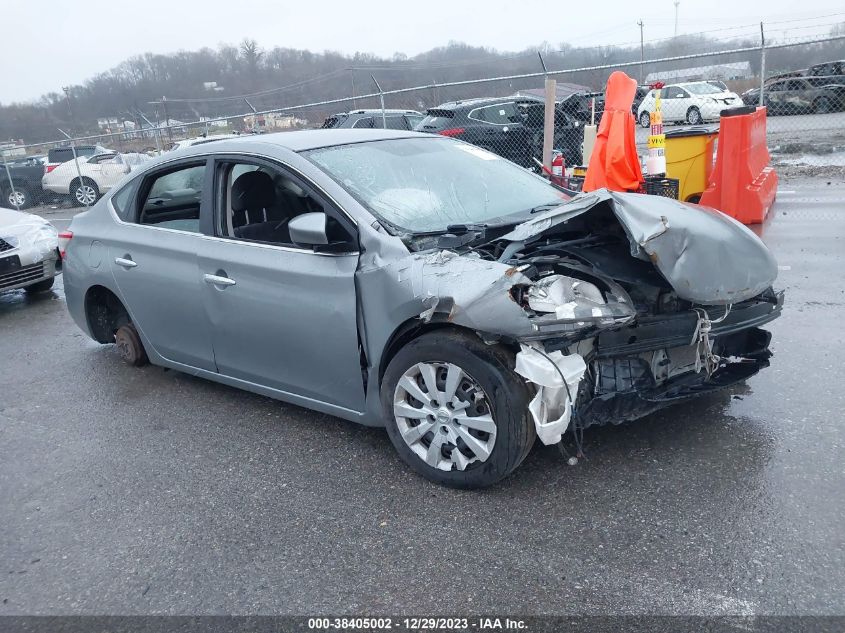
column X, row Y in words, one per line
column 199, row 140
column 99, row 173
column 29, row 251
column 693, row 103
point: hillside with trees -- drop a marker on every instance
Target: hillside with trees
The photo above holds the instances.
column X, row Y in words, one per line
column 211, row 82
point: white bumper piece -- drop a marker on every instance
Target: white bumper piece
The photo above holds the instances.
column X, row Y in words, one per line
column 551, row 408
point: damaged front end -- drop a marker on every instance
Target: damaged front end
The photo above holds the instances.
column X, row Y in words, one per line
column 664, row 301
column 620, row 304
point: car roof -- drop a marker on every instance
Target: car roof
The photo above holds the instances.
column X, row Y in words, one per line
column 302, row 140
column 454, row 105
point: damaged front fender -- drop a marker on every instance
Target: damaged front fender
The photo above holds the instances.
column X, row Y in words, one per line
column 706, row 256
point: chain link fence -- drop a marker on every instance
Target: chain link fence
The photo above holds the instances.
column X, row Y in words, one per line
column 503, row 114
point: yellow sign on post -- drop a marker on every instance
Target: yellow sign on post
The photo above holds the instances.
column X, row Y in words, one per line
column 656, row 161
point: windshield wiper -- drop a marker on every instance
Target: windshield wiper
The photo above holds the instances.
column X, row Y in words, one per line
column 455, row 229
column 545, row 207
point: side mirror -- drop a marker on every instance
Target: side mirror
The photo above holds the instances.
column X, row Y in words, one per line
column 309, row 229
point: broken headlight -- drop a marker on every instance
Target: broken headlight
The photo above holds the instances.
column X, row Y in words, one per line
column 558, row 299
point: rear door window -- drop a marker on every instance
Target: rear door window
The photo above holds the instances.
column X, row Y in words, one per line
column 122, row 202
column 499, row 114
column 172, row 199
column 391, row 122
column 436, row 119
column 413, row 120
column 366, row 122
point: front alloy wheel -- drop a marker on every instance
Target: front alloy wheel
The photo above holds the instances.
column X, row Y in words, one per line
column 455, row 410
column 443, row 415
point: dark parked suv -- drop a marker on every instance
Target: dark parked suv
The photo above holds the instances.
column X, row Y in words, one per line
column 511, row 127
column 59, row 155
column 394, row 119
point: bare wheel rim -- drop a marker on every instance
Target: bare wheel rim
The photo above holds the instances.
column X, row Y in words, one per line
column 86, row 194
column 16, row 198
column 444, row 416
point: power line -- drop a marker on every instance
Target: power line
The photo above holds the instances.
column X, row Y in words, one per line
column 260, row 93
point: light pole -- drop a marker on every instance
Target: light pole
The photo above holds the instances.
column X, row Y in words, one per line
column 642, row 51
column 677, row 2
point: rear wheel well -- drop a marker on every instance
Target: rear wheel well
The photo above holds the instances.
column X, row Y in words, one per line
column 105, row 313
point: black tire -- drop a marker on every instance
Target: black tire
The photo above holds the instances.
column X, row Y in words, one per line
column 822, row 105
column 492, row 368
column 41, row 286
column 645, row 119
column 694, row 116
column 129, row 346
column 23, row 195
column 78, row 190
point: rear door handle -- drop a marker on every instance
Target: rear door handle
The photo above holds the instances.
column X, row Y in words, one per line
column 217, row 280
column 126, row 263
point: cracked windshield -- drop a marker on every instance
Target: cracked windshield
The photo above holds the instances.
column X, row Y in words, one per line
column 426, row 185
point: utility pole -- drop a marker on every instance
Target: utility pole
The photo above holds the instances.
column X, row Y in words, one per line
column 677, row 2
column 642, row 51
column 352, row 76
column 761, row 101
column 66, row 90
column 167, row 119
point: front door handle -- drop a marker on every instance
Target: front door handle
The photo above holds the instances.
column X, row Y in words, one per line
column 217, row 280
column 126, row 263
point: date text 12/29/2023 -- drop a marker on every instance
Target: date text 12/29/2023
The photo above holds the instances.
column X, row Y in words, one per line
column 416, row 624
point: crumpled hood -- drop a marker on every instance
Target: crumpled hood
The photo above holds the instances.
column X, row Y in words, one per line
column 706, row 256
column 10, row 217
column 27, row 230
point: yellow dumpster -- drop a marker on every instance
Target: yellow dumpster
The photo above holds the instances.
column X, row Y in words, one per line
column 689, row 159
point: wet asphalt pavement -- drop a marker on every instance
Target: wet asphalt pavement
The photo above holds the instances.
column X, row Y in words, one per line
column 143, row 491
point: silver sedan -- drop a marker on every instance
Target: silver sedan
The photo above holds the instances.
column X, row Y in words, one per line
column 422, row 284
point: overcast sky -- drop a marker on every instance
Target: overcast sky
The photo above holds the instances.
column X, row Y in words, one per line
column 46, row 44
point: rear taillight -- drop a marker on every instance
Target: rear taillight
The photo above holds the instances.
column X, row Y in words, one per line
column 49, row 168
column 455, row 131
column 64, row 240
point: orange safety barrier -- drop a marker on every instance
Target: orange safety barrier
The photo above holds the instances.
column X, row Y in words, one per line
column 614, row 163
column 742, row 183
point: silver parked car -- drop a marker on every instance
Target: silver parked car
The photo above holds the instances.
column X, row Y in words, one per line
column 420, row 283
column 29, row 252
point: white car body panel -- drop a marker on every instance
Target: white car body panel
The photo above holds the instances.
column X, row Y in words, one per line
column 106, row 170
column 675, row 108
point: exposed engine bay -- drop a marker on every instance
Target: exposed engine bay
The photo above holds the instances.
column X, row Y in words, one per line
column 634, row 302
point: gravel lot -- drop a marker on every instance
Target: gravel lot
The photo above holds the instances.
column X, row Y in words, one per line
column 148, row 491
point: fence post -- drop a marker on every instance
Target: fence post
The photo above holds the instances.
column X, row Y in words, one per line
column 761, row 100
column 381, row 97
column 254, row 117
column 154, row 130
column 548, row 117
column 12, row 191
column 76, row 163
column 167, row 118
